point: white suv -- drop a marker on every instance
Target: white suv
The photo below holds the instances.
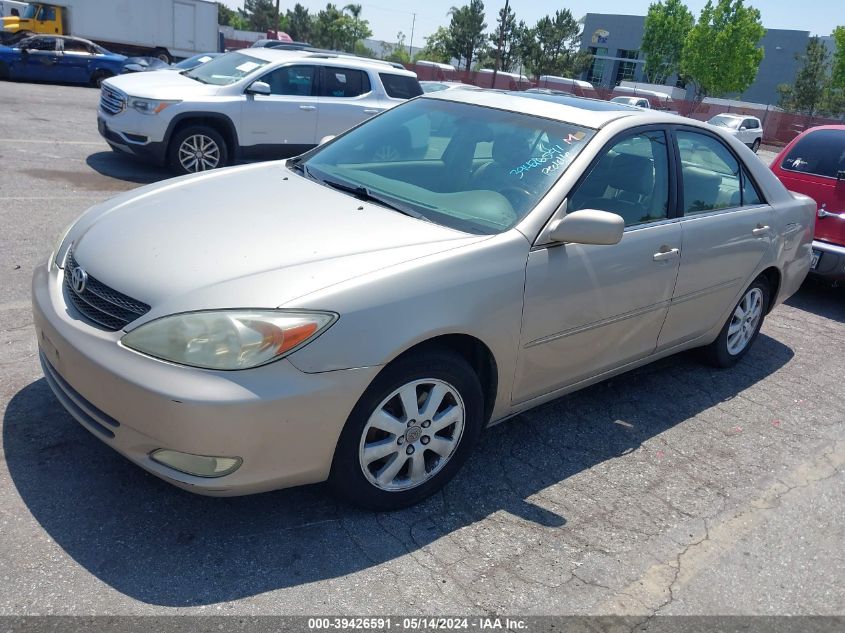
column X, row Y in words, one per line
column 255, row 103
column 747, row 129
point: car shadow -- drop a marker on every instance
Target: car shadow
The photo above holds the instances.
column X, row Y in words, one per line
column 163, row 546
column 127, row 168
column 820, row 298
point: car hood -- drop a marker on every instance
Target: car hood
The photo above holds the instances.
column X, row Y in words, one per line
column 160, row 84
column 252, row 236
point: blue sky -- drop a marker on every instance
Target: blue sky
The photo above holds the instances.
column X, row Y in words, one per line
column 387, row 17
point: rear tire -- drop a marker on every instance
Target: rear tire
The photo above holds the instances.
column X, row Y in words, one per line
column 197, row 148
column 418, row 447
column 742, row 327
column 163, row 55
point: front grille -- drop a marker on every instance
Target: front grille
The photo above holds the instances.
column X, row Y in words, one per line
column 104, row 306
column 111, row 100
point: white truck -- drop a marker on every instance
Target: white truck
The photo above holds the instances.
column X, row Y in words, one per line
column 166, row 29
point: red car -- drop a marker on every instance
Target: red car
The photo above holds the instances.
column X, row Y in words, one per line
column 814, row 164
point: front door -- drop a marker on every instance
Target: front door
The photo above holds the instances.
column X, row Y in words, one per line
column 589, row 309
column 287, row 116
column 727, row 229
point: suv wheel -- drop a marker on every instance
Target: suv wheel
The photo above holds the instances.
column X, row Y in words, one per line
column 755, row 145
column 742, row 327
column 410, row 432
column 197, row 148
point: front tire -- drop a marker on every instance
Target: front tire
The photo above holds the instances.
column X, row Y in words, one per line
column 755, row 145
column 197, row 148
column 742, row 327
column 410, row 432
column 99, row 77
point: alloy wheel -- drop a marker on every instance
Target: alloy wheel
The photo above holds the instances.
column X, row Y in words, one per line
column 199, row 152
column 412, row 434
column 745, row 320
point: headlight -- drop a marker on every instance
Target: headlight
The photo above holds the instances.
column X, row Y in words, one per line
column 149, row 106
column 227, row 339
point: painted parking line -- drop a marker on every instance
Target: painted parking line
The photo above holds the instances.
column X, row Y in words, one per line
column 50, row 141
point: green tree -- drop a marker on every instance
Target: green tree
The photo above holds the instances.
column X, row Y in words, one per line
column 396, row 52
column 721, row 55
column 839, row 57
column 436, row 47
column 337, row 30
column 813, row 91
column 466, row 31
column 551, row 47
column 261, row 15
column 506, row 39
column 666, row 28
column 300, row 23
column 225, row 15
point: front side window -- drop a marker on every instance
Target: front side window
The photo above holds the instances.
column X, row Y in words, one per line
column 476, row 169
column 821, row 153
column 226, row 69
column 710, row 174
column 291, row 80
column 630, row 179
column 344, row 82
column 75, row 46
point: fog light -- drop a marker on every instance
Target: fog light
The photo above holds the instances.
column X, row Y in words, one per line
column 199, row 465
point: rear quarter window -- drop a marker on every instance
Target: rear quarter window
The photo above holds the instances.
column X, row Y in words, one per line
column 820, row 153
column 400, row 86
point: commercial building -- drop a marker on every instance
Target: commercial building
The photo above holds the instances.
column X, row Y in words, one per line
column 616, row 42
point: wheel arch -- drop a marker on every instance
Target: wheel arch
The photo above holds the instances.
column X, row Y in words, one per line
column 474, row 351
column 773, row 276
column 215, row 120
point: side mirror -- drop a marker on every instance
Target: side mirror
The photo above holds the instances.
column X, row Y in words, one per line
column 742, row 128
column 258, row 88
column 326, row 139
column 588, row 226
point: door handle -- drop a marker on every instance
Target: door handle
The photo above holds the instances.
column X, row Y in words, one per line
column 824, row 213
column 371, row 111
column 307, row 107
column 760, row 231
column 665, row 254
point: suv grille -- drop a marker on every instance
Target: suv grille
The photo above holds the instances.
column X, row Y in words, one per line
column 111, row 100
column 105, row 307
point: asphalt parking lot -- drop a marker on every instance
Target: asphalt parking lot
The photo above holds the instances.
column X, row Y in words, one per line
column 676, row 489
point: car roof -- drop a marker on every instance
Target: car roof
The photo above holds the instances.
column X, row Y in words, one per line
column 349, row 61
column 592, row 113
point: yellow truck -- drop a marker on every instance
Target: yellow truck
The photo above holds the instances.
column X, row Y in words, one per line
column 165, row 29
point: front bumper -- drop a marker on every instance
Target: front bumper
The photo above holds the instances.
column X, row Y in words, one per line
column 136, row 143
column 282, row 422
column 831, row 265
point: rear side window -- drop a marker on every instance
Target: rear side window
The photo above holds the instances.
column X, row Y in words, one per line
column 344, row 82
column 400, row 86
column 821, row 153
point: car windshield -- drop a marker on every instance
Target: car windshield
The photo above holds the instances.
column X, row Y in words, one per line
column 725, row 121
column 226, row 69
column 29, row 12
column 475, row 169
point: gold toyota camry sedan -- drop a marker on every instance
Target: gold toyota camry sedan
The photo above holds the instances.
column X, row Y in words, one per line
column 361, row 316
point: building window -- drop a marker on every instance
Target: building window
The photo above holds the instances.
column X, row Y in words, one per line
column 597, row 71
column 626, row 72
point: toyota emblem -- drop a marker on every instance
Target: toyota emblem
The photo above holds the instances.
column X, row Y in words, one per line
column 78, row 280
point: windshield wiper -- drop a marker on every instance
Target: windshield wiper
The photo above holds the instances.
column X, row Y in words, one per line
column 364, row 193
column 185, row 74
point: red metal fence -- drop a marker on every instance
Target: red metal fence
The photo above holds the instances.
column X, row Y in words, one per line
column 779, row 127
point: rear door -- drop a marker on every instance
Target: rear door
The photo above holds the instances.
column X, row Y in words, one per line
column 345, row 99
column 727, row 229
column 812, row 167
